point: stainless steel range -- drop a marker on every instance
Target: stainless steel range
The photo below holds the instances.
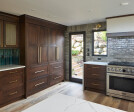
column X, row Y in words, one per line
column 120, row 80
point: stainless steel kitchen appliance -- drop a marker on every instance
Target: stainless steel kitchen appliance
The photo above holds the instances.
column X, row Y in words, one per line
column 120, row 80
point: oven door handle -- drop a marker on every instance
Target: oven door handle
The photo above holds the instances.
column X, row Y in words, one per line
column 120, row 75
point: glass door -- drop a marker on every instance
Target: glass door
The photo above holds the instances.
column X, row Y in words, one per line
column 76, row 56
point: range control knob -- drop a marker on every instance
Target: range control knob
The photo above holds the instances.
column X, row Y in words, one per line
column 133, row 71
column 120, row 69
column 112, row 69
column 124, row 70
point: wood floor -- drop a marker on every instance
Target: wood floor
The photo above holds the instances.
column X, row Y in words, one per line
column 71, row 89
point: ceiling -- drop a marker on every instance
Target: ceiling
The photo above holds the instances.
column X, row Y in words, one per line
column 68, row 12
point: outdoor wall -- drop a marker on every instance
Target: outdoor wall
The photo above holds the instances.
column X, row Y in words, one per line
column 119, row 48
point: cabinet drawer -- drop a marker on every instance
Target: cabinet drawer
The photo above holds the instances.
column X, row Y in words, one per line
column 98, row 76
column 12, row 80
column 94, row 68
column 58, row 67
column 11, row 72
column 95, row 71
column 37, row 85
column 95, row 84
column 56, row 79
column 37, row 72
column 11, row 94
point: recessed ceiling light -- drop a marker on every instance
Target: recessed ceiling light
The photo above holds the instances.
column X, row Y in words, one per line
column 33, row 9
column 124, row 4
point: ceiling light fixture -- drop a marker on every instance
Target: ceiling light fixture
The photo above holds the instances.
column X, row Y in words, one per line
column 124, row 4
column 33, row 9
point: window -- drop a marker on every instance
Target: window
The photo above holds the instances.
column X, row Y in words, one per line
column 99, row 43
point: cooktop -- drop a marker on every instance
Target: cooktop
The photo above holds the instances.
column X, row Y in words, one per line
column 121, row 63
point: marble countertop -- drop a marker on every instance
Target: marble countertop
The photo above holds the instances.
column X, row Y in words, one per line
column 64, row 103
column 96, row 63
column 10, row 67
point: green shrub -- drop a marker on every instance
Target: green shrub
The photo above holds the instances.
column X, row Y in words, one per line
column 104, row 37
column 75, row 52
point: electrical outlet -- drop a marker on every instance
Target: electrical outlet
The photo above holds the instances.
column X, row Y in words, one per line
column 87, row 49
column 99, row 58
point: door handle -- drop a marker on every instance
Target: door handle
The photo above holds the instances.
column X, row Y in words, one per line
column 39, row 84
column 58, row 67
column 57, row 77
column 40, row 53
column 39, row 71
column 95, row 84
column 13, row 81
column 57, row 53
column 13, row 93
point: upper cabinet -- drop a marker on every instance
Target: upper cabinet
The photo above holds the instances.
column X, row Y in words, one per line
column 9, row 31
column 37, row 45
column 56, row 46
column 33, row 48
column 43, row 44
column 11, row 34
column 1, row 33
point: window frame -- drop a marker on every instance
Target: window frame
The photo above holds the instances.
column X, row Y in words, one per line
column 93, row 43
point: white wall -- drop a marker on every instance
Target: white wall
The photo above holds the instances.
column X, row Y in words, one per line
column 121, row 24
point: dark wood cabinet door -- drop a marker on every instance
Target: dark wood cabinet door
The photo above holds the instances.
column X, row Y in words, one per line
column 33, row 48
column 52, row 38
column 43, row 45
column 59, row 53
column 43, row 59
column 44, row 36
column 60, row 38
column 52, row 53
column 1, row 33
column 11, row 34
column 56, row 46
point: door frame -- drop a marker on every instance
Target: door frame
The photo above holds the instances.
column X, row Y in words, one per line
column 70, row 56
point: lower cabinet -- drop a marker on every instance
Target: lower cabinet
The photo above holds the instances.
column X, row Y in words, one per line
column 44, row 76
column 56, row 73
column 36, row 85
column 95, row 78
column 11, row 86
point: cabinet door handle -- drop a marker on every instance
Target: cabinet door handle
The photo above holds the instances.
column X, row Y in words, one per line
column 13, row 72
column 58, row 67
column 40, row 53
column 39, row 84
column 94, row 84
column 13, row 93
column 13, row 81
column 39, row 71
column 57, row 77
column 57, row 53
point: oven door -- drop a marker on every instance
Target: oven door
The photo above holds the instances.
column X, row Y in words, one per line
column 120, row 85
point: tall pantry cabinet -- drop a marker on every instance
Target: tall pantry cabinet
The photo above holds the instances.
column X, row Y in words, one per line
column 42, row 51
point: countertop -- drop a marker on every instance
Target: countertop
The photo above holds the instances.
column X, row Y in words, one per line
column 64, row 103
column 96, row 63
column 10, row 67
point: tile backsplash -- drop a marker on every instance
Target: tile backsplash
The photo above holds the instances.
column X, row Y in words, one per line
column 121, row 48
column 9, row 56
